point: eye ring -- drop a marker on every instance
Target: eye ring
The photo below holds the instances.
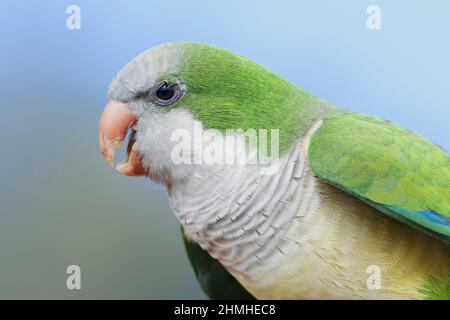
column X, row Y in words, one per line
column 164, row 94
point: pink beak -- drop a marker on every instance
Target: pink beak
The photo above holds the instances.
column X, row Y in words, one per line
column 116, row 119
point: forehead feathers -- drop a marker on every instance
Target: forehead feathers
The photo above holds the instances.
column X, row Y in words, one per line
column 144, row 71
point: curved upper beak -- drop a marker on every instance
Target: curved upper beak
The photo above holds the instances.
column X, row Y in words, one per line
column 115, row 121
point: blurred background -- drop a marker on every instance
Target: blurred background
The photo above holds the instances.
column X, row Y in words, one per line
column 60, row 204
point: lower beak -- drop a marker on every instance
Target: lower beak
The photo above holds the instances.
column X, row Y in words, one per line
column 116, row 120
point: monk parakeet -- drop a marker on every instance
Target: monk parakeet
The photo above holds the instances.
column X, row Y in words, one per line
column 352, row 199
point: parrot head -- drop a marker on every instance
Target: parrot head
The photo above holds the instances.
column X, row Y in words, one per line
column 179, row 85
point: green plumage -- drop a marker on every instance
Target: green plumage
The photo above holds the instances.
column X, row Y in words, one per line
column 394, row 170
column 437, row 287
column 389, row 167
column 229, row 91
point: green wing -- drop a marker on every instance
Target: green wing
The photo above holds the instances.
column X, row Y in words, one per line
column 215, row 280
column 394, row 170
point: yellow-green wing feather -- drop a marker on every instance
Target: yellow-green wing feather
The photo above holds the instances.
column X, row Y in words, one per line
column 391, row 168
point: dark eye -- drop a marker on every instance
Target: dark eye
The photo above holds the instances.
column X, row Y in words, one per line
column 165, row 94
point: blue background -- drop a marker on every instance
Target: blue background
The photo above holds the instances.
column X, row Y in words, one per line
column 59, row 202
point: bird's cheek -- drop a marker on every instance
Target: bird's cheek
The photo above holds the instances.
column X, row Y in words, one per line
column 116, row 120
